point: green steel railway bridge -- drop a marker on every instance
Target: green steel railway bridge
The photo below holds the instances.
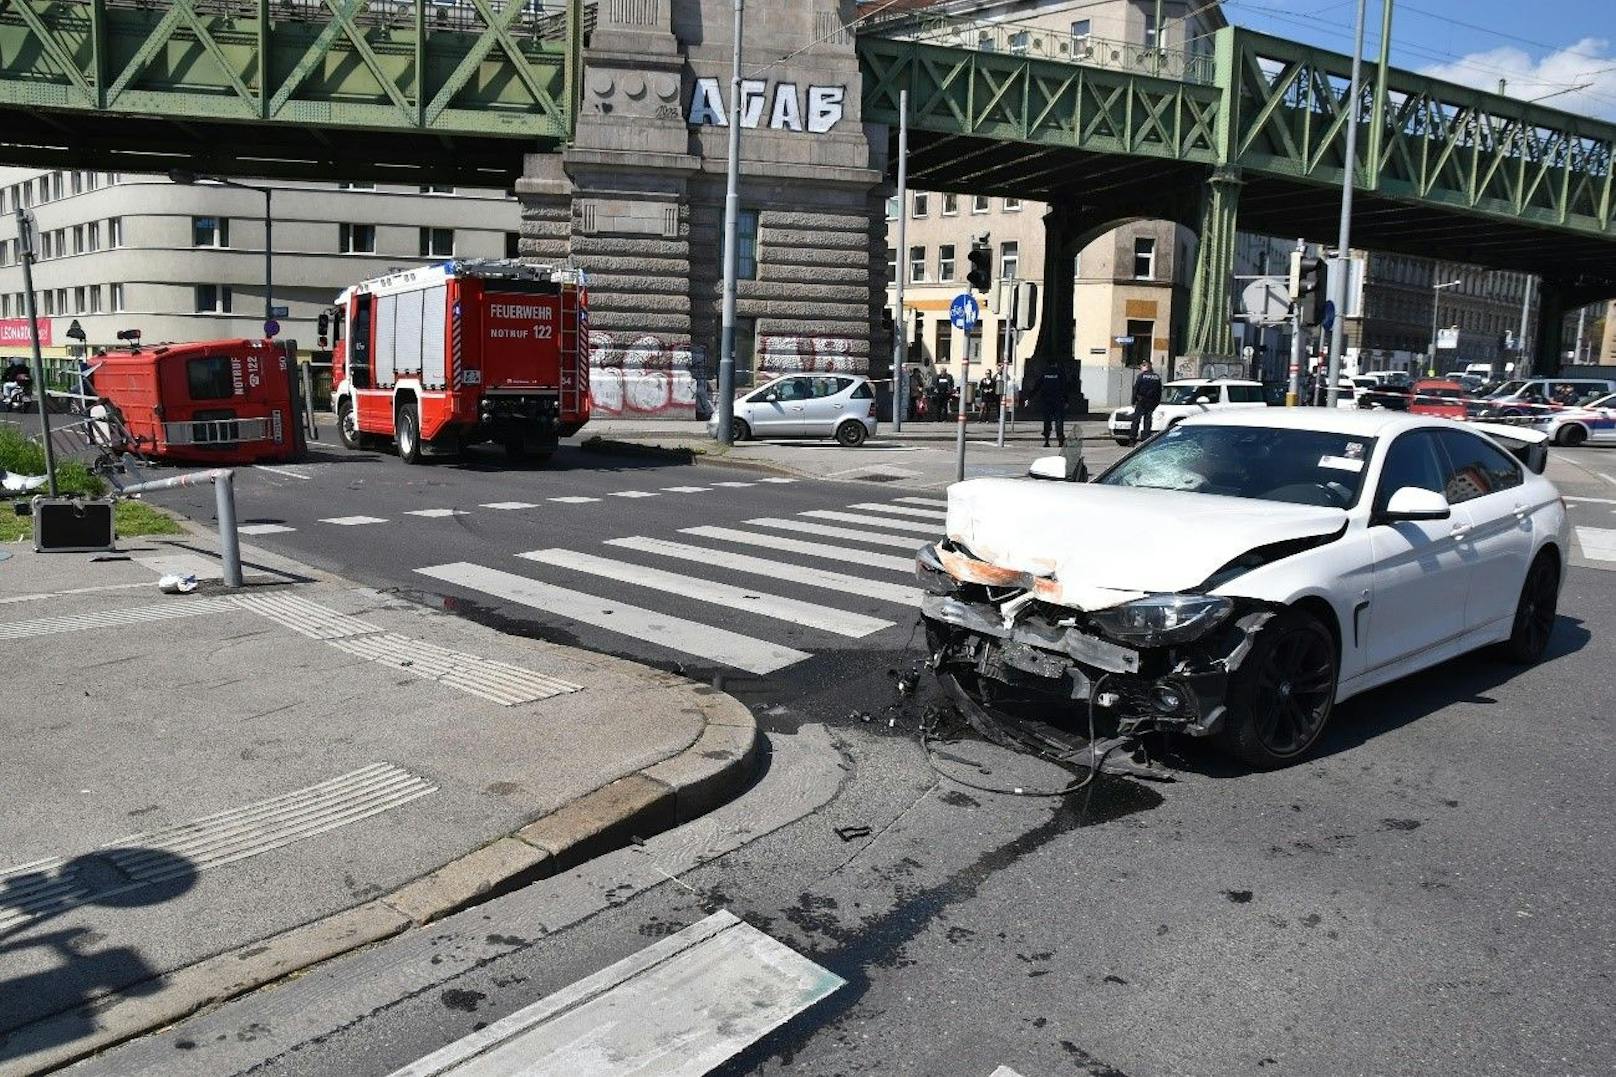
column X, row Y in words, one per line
column 1249, row 133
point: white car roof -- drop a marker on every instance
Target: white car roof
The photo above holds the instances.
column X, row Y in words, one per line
column 1214, row 381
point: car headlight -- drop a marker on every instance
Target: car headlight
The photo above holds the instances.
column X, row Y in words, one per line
column 1162, row 619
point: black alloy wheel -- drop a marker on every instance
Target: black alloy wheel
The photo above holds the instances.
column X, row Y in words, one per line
column 738, row 430
column 348, row 425
column 851, row 434
column 1536, row 611
column 1282, row 695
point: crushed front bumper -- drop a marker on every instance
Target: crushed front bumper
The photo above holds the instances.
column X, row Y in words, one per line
column 993, row 625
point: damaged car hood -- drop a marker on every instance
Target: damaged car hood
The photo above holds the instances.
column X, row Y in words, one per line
column 1108, row 544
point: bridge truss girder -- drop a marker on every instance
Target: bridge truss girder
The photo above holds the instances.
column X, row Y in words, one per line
column 297, row 88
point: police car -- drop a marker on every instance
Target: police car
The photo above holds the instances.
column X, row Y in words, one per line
column 1181, row 399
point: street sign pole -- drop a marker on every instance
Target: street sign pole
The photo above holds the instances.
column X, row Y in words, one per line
column 1295, row 390
column 1349, row 177
column 900, row 331
column 26, row 241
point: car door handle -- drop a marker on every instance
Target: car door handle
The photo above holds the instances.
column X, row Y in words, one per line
column 1459, row 532
column 1522, row 512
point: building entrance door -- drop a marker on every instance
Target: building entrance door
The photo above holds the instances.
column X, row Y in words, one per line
column 1139, row 350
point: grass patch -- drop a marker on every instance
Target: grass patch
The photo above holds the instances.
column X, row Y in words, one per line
column 25, row 457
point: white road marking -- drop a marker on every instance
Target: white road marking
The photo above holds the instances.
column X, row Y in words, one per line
column 845, row 554
column 855, row 625
column 435, row 514
column 678, row 1008
column 263, row 529
column 1592, row 500
column 1598, row 543
column 686, row 489
column 508, row 506
column 574, row 500
column 762, row 566
column 673, row 633
column 285, row 471
column 928, row 528
column 734, row 485
column 353, row 521
column 635, row 493
column 937, row 502
column 807, row 528
column 900, row 510
column 777, row 480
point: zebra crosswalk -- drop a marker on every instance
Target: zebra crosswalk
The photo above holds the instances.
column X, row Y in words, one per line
column 759, row 597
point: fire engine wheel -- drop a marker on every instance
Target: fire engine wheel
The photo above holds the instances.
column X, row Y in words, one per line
column 348, row 425
column 409, row 435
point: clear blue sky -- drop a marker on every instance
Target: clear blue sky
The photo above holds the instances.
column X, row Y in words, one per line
column 1540, row 46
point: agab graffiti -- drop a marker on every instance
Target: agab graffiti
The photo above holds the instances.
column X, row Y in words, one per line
column 644, row 376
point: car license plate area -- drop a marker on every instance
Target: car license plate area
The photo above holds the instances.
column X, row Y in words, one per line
column 1102, row 654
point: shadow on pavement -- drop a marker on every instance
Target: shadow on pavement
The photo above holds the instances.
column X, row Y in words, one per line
column 1466, row 679
column 82, row 970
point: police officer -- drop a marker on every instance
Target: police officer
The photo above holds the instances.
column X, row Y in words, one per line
column 1147, row 394
column 1050, row 391
column 942, row 391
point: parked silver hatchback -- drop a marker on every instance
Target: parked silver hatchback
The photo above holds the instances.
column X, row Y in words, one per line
column 806, row 405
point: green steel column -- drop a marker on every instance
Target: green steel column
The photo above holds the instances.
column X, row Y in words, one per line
column 1377, row 117
column 1211, row 333
column 263, row 59
column 420, row 63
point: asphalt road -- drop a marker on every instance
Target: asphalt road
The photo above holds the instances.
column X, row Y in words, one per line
column 1429, row 894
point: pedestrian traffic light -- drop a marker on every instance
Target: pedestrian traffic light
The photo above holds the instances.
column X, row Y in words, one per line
column 1309, row 287
column 980, row 278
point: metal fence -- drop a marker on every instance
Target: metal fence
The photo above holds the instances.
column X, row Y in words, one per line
column 540, row 19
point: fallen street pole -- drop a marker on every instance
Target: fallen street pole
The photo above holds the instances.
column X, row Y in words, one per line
column 224, row 488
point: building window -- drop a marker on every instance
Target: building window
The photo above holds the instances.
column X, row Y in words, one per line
column 513, row 244
column 356, row 238
column 5, row 305
column 78, row 182
column 117, row 298
column 356, row 186
column 79, row 300
column 213, row 299
column 95, row 299
column 1018, row 42
column 892, row 208
column 917, row 264
column 58, row 185
column 945, row 262
column 1009, row 260
column 1080, row 31
column 922, row 206
column 892, row 263
column 210, row 231
column 93, row 231
column 979, row 203
column 746, row 240
column 950, row 205
column 1012, row 205
column 47, row 244
column 114, row 231
column 61, row 300
column 437, row 242
column 50, row 302
column 1144, row 258
column 1150, row 29
column 437, row 190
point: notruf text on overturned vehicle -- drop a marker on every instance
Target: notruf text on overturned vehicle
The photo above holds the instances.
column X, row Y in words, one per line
column 1240, row 575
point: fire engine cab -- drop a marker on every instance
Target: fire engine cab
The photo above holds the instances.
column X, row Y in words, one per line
column 438, row 358
column 214, row 401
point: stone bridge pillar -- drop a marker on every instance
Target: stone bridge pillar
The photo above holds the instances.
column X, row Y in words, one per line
column 1055, row 324
column 1211, row 334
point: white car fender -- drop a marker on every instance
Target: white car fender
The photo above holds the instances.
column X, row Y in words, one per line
column 1338, row 572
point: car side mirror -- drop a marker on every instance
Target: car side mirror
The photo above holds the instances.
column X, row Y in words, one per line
column 771, row 398
column 1203, row 400
column 1414, row 503
column 1067, row 468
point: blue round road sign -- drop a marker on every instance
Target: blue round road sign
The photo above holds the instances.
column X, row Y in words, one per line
column 1329, row 314
column 964, row 312
column 272, row 328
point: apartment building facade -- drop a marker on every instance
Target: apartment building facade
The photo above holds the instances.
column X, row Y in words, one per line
column 1399, row 298
column 186, row 261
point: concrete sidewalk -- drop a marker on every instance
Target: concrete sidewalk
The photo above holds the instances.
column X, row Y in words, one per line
column 206, row 792
column 923, row 456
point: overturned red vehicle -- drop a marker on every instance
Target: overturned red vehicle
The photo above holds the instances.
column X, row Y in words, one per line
column 213, row 402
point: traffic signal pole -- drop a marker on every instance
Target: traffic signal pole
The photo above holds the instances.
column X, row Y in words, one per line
column 900, row 328
column 41, row 393
column 1338, row 283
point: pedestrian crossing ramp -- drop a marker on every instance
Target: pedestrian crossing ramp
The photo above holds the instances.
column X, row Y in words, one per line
column 759, row 596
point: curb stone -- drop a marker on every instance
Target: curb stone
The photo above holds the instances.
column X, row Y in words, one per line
column 713, row 769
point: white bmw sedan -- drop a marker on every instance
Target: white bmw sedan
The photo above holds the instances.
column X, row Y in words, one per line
column 1244, row 572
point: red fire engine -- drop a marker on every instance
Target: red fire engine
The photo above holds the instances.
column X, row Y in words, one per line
column 441, row 357
column 215, row 401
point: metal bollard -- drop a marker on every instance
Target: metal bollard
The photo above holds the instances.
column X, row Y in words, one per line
column 224, row 489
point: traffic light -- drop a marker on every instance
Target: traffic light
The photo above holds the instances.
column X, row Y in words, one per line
column 1309, row 286
column 980, row 278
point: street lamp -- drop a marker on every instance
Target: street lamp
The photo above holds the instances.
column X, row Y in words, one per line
column 181, row 176
column 1436, row 297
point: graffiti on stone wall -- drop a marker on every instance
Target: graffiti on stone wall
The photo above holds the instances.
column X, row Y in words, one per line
column 644, row 376
column 779, row 354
